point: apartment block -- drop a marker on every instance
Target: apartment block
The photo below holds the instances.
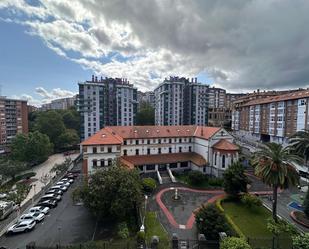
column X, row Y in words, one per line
column 145, row 97
column 273, row 118
column 106, row 102
column 59, row 104
column 13, row 120
column 181, row 101
column 154, row 149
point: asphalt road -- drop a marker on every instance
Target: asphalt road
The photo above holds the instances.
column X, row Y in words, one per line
column 66, row 224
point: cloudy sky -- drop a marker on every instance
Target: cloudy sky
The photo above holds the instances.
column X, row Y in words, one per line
column 47, row 46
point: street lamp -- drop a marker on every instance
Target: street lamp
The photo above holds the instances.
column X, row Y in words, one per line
column 142, row 229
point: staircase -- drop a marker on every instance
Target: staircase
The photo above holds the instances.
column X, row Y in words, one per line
column 165, row 177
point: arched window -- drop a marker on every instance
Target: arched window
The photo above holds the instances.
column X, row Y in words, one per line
column 223, row 161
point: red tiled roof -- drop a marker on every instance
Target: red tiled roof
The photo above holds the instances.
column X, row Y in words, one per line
column 116, row 134
column 223, row 144
column 288, row 96
column 163, row 159
column 103, row 136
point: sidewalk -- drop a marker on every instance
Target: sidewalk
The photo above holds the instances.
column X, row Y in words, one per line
column 43, row 169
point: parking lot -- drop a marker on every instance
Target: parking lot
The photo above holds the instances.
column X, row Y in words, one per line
column 66, row 224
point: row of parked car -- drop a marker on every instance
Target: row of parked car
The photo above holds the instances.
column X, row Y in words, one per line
column 49, row 200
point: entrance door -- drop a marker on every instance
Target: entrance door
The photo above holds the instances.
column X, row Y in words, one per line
column 162, row 167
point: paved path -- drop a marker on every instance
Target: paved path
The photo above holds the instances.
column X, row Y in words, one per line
column 43, row 169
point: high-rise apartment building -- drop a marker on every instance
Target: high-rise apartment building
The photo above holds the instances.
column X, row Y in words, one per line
column 59, row 104
column 146, row 97
column 106, row 102
column 179, row 101
column 13, row 120
column 274, row 118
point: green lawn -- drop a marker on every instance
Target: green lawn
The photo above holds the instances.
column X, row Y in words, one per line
column 154, row 227
column 253, row 224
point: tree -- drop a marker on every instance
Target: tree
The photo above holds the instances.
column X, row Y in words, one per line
column 67, row 139
column 32, row 148
column 300, row 143
column 114, row 192
column 149, row 184
column 234, row 180
column 10, row 168
column 146, row 114
column 71, row 119
column 274, row 165
column 301, row 241
column 210, row 221
column 306, row 204
column 234, row 243
column 51, row 124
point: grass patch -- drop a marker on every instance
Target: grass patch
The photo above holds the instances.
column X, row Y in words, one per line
column 253, row 224
column 154, row 227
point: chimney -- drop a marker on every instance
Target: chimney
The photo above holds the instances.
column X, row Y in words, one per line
column 192, row 80
column 92, row 78
column 96, row 79
column 195, row 80
column 101, row 79
column 258, row 90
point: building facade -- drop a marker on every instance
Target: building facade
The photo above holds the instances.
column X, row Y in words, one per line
column 106, row 102
column 146, row 97
column 13, row 120
column 59, row 104
column 179, row 101
column 153, row 149
column 274, row 118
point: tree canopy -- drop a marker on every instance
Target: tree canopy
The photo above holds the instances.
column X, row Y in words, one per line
column 114, row 192
column 10, row 168
column 32, row 148
column 145, row 115
column 234, row 243
column 234, row 180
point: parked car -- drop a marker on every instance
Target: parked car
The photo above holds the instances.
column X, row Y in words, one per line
column 37, row 216
column 63, row 183
column 22, row 226
column 54, row 191
column 44, row 210
column 70, row 180
column 74, row 173
column 61, row 187
column 47, row 203
column 51, row 197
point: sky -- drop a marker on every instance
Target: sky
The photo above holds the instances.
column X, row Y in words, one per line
column 47, row 46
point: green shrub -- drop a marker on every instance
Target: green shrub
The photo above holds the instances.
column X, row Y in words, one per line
column 123, row 231
column 216, row 182
column 196, row 177
column 251, row 200
column 140, row 236
column 301, row 241
column 149, row 184
column 234, row 243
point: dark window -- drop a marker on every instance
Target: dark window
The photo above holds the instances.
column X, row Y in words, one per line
column 170, row 140
column 180, row 140
column 184, row 164
column 148, row 141
column 150, row 167
column 94, row 150
column 190, row 140
column 180, row 149
column 148, row 151
column 223, row 161
column 137, row 152
column 125, row 152
column 102, row 162
column 95, row 163
column 110, row 161
column 136, row 141
column 125, row 142
column 170, row 150
column 173, row 165
column 190, row 149
column 109, row 149
column 159, row 141
column 159, row 150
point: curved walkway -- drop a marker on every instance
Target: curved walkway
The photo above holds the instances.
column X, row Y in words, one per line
column 189, row 225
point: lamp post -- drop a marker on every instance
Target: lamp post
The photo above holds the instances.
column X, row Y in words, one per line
column 142, row 229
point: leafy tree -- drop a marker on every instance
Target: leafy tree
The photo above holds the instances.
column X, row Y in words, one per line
column 146, row 115
column 62, row 167
column 114, row 192
column 235, row 180
column 149, row 184
column 251, row 201
column 274, row 165
column 306, row 204
column 300, row 143
column 234, row 243
column 51, row 124
column 32, row 148
column 210, row 221
column 196, row 177
column 67, row 139
column 301, row 241
column 10, row 168
column 71, row 119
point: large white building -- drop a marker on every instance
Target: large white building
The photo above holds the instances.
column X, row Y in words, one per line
column 153, row 149
column 179, row 101
column 106, row 102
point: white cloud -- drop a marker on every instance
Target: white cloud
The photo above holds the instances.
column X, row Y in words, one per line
column 241, row 44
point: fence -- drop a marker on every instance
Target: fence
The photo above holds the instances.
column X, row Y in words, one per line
column 4, row 224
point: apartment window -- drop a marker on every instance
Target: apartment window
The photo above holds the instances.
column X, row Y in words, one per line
column 109, row 149
column 94, row 150
column 148, row 141
column 159, row 150
column 170, row 150
column 180, row 140
column 148, row 151
column 94, row 163
column 101, row 148
column 159, row 141
column 190, row 148
column 125, row 142
column 180, row 149
column 170, row 140
column 137, row 152
column 136, row 141
column 102, row 162
column 109, row 162
column 125, row 152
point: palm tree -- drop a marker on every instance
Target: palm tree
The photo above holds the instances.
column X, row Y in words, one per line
column 274, row 165
column 300, row 143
